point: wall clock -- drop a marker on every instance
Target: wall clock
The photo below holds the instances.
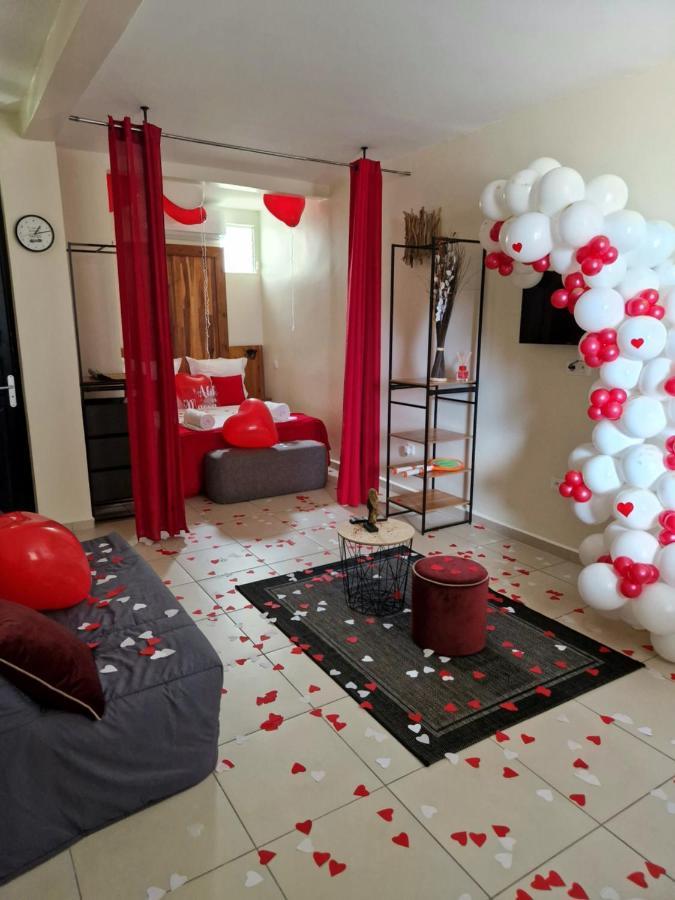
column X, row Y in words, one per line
column 34, row 233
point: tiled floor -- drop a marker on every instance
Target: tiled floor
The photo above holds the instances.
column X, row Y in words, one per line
column 590, row 812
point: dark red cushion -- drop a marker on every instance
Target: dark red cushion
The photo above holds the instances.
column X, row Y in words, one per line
column 450, row 570
column 47, row 662
column 229, row 389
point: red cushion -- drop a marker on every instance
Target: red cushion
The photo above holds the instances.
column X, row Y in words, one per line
column 450, row 570
column 189, row 387
column 47, row 662
column 229, row 389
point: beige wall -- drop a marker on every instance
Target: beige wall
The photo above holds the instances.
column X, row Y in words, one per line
column 29, row 183
column 532, row 412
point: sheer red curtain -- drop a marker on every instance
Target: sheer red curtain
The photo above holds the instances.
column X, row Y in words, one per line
column 136, row 178
column 360, row 450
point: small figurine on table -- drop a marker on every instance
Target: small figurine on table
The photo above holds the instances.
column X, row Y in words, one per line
column 370, row 523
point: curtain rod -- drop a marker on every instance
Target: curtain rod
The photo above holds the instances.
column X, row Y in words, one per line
column 82, row 120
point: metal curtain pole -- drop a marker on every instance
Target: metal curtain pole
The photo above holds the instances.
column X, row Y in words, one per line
column 82, row 120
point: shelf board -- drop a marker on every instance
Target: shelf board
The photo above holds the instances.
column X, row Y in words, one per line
column 435, row 500
column 436, row 435
column 449, row 386
column 442, row 473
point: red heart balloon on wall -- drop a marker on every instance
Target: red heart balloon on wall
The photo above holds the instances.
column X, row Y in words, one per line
column 42, row 564
column 288, row 208
column 189, row 387
column 252, row 426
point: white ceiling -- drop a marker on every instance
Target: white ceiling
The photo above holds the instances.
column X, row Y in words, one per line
column 24, row 25
column 322, row 77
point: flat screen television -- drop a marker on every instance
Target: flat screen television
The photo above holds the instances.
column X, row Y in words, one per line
column 541, row 323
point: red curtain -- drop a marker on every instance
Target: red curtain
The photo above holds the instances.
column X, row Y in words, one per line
column 136, row 176
column 360, row 451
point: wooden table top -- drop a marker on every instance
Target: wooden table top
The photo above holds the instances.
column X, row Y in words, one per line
column 389, row 533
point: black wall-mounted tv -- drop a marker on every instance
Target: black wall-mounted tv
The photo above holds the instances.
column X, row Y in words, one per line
column 541, row 323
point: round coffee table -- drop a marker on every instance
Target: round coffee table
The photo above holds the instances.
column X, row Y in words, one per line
column 375, row 566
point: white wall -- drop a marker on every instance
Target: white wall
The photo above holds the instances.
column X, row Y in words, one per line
column 29, row 183
column 298, row 366
column 532, row 412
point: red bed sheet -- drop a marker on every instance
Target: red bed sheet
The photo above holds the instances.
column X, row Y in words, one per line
column 194, row 445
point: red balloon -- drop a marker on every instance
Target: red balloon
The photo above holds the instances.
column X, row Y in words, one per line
column 288, row 208
column 657, row 312
column 590, row 344
column 189, row 387
column 622, row 564
column 639, row 573
column 612, row 410
column 610, row 255
column 599, row 245
column 541, row 265
column 494, row 231
column 630, row 589
column 595, row 413
column 505, row 268
column 618, row 395
column 607, row 336
column 492, row 260
column 565, row 490
column 650, row 295
column 591, row 265
column 252, row 426
column 599, row 397
column 574, row 280
column 669, row 388
column 638, row 306
column 581, row 493
column 560, row 299
column 582, row 254
column 653, row 574
column 668, row 520
column 573, row 477
column 609, row 352
column 42, row 564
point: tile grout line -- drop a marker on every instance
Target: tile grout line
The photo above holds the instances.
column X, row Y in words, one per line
column 75, row 875
column 621, row 726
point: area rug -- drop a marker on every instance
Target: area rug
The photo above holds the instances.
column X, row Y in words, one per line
column 433, row 704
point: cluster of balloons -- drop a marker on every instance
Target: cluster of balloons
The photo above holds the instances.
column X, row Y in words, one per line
column 619, row 276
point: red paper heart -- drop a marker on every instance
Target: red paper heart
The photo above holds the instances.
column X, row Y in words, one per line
column 577, row 892
column 474, row 704
column 625, row 508
column 638, row 878
column 473, row 761
column 335, row 867
column 554, row 879
column 501, row 737
column 414, row 717
column 252, row 426
column 509, row 772
column 450, row 707
column 522, row 895
column 386, row 814
column 580, row 799
column 637, row 342
column 517, row 246
column 580, row 764
column 297, row 767
column 501, row 830
column 594, row 739
column 460, row 837
column 265, row 856
column 478, row 838
column 401, row 839
column 539, row 883
column 320, row 858
column 305, row 827
column 509, row 706
column 654, row 869
column 361, row 791
column 527, row 738
column 544, row 691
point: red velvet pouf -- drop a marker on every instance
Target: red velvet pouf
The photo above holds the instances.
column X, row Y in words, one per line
column 449, row 605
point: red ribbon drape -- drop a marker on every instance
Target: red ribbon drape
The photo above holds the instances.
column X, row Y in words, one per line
column 360, row 451
column 136, row 175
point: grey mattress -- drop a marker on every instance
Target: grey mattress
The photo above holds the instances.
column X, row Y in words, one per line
column 63, row 775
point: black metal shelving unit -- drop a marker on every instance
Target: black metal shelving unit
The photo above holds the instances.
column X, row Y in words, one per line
column 430, row 498
column 104, row 414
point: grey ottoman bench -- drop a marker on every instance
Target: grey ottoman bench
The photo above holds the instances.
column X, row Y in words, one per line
column 235, row 474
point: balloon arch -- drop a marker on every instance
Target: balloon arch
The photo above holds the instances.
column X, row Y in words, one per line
column 619, row 284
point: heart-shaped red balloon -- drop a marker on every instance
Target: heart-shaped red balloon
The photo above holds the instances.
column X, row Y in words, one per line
column 252, row 426
column 189, row 387
column 42, row 564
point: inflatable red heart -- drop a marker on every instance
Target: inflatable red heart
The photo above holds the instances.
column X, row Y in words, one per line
column 190, row 387
column 42, row 564
column 252, row 426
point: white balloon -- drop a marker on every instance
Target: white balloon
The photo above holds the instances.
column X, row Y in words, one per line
column 665, row 563
column 601, row 475
column 526, row 238
column 595, row 510
column 579, row 455
column 486, row 241
column 526, row 279
column 621, row 373
column 516, row 195
column 641, row 337
column 599, row 308
column 669, row 350
column 627, row 615
column 579, row 222
column 543, row 164
column 491, row 202
column 667, row 300
column 625, row 229
column 657, row 244
column 655, row 608
column 664, row 644
column 557, row 189
column 638, row 278
column 640, row 546
column 643, row 417
column 666, row 273
column 610, row 439
column 608, row 193
column 653, row 375
column 598, row 586
column 665, row 490
column 610, row 275
column 641, row 465
column 609, row 535
column 591, row 548
column 562, row 259
column 637, row 509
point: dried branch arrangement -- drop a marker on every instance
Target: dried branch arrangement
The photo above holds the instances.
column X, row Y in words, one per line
column 420, row 228
column 450, row 266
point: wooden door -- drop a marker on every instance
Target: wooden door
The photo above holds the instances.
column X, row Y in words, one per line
column 192, row 332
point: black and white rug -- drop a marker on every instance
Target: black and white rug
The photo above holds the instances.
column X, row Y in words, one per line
column 433, row 704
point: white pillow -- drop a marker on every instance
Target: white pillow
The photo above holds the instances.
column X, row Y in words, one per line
column 176, row 364
column 220, row 368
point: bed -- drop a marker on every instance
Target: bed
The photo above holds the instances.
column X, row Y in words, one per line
column 194, row 445
column 63, row 775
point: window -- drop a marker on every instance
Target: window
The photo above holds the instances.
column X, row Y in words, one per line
column 239, row 249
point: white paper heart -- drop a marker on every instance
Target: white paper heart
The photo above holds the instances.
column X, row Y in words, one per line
column 608, row 893
column 645, row 729
column 412, row 673
column 318, row 776
column 670, row 808
column 427, row 653
column 510, row 754
column 387, row 625
column 155, row 893
column 422, row 738
column 623, row 718
column 659, row 793
column 428, row 670
column 545, row 794
column 383, row 761
column 504, row 859
column 170, row 613
column 351, row 686
column 366, row 659
column 162, row 654
column 363, row 694
column 452, row 757
column 573, row 745
column 252, row 878
column 428, row 811
column 508, row 843
column 416, row 727
column 444, row 659
column 334, row 673
column 588, row 777
column 122, row 599
column 145, row 636
column 128, row 642
column 349, row 621
column 305, row 846
column 176, row 881
column 107, row 670
column 379, row 736
column 138, row 606
column 195, row 829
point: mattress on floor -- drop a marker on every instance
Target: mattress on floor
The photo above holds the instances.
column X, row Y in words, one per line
column 63, row 775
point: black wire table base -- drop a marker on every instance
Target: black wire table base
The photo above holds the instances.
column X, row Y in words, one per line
column 375, row 577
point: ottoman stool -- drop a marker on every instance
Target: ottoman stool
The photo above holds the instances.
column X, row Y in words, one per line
column 449, row 605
